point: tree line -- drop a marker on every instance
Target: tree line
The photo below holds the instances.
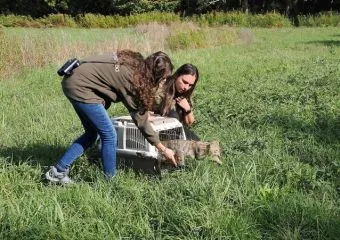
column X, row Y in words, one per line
column 40, row 8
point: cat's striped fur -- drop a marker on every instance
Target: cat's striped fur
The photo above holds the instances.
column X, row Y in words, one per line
column 193, row 149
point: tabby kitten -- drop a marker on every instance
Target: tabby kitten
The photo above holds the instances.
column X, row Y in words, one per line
column 193, row 149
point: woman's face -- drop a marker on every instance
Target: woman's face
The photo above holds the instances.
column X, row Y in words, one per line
column 185, row 83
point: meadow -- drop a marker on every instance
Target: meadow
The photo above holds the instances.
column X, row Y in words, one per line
column 269, row 95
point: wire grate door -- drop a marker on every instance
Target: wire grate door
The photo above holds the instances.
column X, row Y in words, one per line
column 171, row 134
column 135, row 140
column 131, row 142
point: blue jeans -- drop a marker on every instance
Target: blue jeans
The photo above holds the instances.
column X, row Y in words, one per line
column 95, row 121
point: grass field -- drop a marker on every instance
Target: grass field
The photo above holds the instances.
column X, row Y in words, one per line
column 271, row 98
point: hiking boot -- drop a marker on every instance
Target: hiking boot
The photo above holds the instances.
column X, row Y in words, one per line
column 58, row 177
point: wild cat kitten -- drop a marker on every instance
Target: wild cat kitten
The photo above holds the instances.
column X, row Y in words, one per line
column 193, row 149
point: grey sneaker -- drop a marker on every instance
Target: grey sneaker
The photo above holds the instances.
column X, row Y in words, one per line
column 57, row 177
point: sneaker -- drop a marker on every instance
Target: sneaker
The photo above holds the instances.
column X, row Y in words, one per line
column 57, row 177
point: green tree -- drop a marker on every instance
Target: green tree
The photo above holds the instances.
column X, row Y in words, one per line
column 34, row 8
column 126, row 7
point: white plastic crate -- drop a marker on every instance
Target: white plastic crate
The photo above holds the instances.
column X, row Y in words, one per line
column 131, row 142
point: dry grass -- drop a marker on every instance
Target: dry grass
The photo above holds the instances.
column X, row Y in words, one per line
column 31, row 50
column 154, row 35
column 223, row 35
column 179, row 27
column 246, row 36
column 38, row 48
column 9, row 55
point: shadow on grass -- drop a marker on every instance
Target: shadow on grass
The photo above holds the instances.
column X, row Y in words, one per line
column 325, row 129
column 293, row 216
column 326, row 42
column 46, row 155
column 315, row 143
column 33, row 154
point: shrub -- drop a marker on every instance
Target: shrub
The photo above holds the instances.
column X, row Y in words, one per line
column 233, row 18
column 321, row 20
column 143, row 18
column 15, row 21
column 59, row 20
column 306, row 20
column 100, row 21
column 236, row 19
column 219, row 18
column 88, row 21
column 269, row 20
column 242, row 19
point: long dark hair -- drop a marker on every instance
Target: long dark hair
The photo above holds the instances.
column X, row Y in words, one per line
column 146, row 73
column 159, row 65
column 170, row 86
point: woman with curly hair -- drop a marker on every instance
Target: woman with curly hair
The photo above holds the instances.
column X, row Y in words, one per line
column 97, row 82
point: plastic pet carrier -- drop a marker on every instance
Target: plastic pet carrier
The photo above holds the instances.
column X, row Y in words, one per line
column 133, row 150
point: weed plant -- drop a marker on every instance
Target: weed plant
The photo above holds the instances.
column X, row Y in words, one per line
column 270, row 97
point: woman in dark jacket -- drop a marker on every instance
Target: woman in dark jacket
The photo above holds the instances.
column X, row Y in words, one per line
column 124, row 77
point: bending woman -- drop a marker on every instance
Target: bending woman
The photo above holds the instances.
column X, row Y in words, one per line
column 124, row 77
column 173, row 97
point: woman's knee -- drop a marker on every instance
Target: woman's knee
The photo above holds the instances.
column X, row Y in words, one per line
column 87, row 139
column 108, row 135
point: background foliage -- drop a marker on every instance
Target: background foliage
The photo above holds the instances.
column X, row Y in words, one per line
column 39, row 8
column 240, row 19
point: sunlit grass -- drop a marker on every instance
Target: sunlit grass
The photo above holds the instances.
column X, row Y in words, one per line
column 272, row 102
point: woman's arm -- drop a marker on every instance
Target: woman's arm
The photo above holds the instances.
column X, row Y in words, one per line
column 188, row 116
column 142, row 121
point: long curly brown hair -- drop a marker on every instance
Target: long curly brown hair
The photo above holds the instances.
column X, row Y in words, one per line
column 146, row 73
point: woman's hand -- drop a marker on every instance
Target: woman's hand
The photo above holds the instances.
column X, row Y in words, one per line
column 184, row 104
column 167, row 153
column 170, row 155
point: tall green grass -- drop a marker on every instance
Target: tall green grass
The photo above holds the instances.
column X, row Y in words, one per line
column 241, row 19
column 330, row 19
column 233, row 18
column 88, row 20
column 272, row 102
